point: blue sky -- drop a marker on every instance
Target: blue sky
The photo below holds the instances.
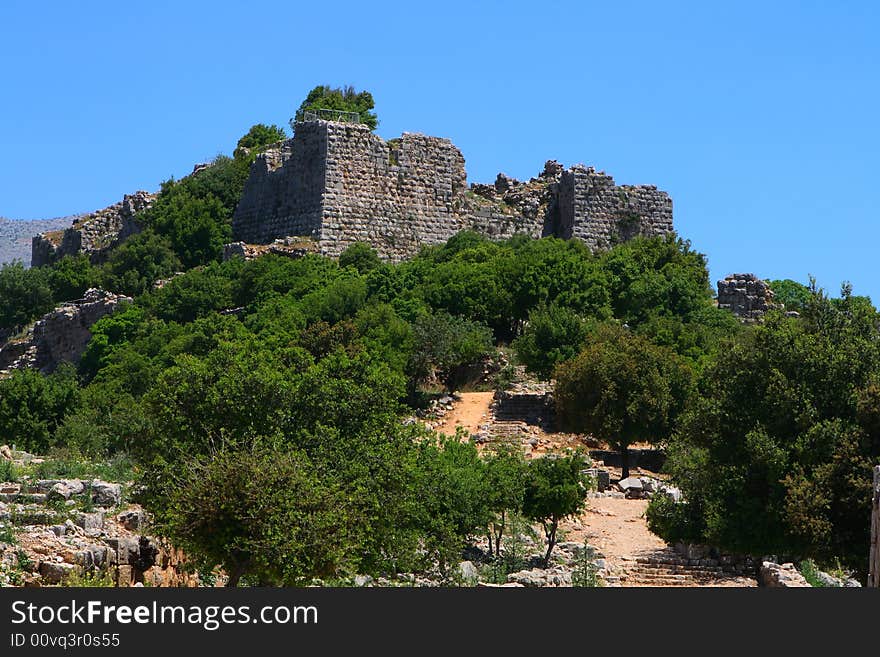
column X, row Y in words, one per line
column 759, row 118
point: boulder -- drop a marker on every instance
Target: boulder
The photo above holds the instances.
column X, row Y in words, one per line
column 106, row 494
column 133, row 520
column 65, row 489
column 631, row 487
column 774, row 575
column 91, row 522
column 54, row 572
column 468, row 571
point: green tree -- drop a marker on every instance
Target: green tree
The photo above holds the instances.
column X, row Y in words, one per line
column 71, row 276
column 552, row 336
column 775, row 455
column 361, row 256
column 445, row 345
column 135, row 265
column 622, row 388
column 24, row 295
column 257, row 138
column 505, row 474
column 555, row 489
column 259, row 512
column 32, row 405
column 452, row 496
column 341, row 98
column 793, row 295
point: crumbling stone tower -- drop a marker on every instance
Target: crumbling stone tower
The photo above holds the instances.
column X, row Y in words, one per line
column 338, row 183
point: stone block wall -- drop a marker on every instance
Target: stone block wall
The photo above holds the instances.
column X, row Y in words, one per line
column 60, row 335
column 595, row 210
column 93, row 234
column 745, row 295
column 338, row 183
column 284, row 191
column 396, row 195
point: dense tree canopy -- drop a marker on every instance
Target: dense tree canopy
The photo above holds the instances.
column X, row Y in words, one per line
column 622, row 388
column 775, row 455
column 345, row 99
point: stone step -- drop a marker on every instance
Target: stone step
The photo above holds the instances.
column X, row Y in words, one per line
column 697, row 574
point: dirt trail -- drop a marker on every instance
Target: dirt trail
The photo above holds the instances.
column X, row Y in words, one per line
column 617, row 528
column 469, row 412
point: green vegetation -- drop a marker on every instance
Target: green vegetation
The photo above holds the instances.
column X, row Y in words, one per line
column 257, row 138
column 775, row 453
column 555, row 489
column 793, row 295
column 623, row 388
column 345, row 99
column 257, row 405
column 24, row 296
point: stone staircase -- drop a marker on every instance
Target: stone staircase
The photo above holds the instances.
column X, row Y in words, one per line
column 516, row 414
column 669, row 568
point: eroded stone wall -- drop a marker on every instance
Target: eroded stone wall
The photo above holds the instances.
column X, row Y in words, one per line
column 92, row 234
column 745, row 295
column 338, row 183
column 595, row 210
column 61, row 335
column 284, row 192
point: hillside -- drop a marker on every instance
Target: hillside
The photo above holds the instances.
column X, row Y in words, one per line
column 16, row 236
column 287, row 407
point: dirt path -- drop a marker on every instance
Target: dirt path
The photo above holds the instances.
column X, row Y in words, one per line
column 617, row 528
column 469, row 412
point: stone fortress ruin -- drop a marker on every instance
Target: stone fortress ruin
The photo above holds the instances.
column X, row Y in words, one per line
column 337, row 183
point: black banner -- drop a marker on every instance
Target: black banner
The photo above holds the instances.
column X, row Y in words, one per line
column 406, row 620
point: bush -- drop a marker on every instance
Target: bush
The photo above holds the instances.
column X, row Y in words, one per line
column 345, row 99
column 24, row 295
column 552, row 335
column 32, row 405
column 555, row 489
column 257, row 138
column 445, row 345
column 260, row 513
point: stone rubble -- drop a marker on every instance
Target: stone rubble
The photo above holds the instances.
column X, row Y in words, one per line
column 93, row 234
column 60, row 335
column 746, row 296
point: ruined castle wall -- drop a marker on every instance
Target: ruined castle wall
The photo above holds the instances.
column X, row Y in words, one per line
column 593, row 209
column 93, row 234
column 396, row 195
column 284, row 192
column 338, row 183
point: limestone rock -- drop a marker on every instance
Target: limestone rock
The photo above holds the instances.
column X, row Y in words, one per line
column 781, row 576
column 106, row 494
column 745, row 295
column 54, row 572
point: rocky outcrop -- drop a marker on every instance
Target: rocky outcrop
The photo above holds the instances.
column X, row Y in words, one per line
column 67, row 528
column 93, row 234
column 746, row 296
column 61, row 335
column 785, row 575
column 338, row 183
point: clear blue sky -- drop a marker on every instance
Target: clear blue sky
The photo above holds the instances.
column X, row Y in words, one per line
column 759, row 118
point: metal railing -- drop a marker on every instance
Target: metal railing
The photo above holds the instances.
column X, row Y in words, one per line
column 304, row 116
